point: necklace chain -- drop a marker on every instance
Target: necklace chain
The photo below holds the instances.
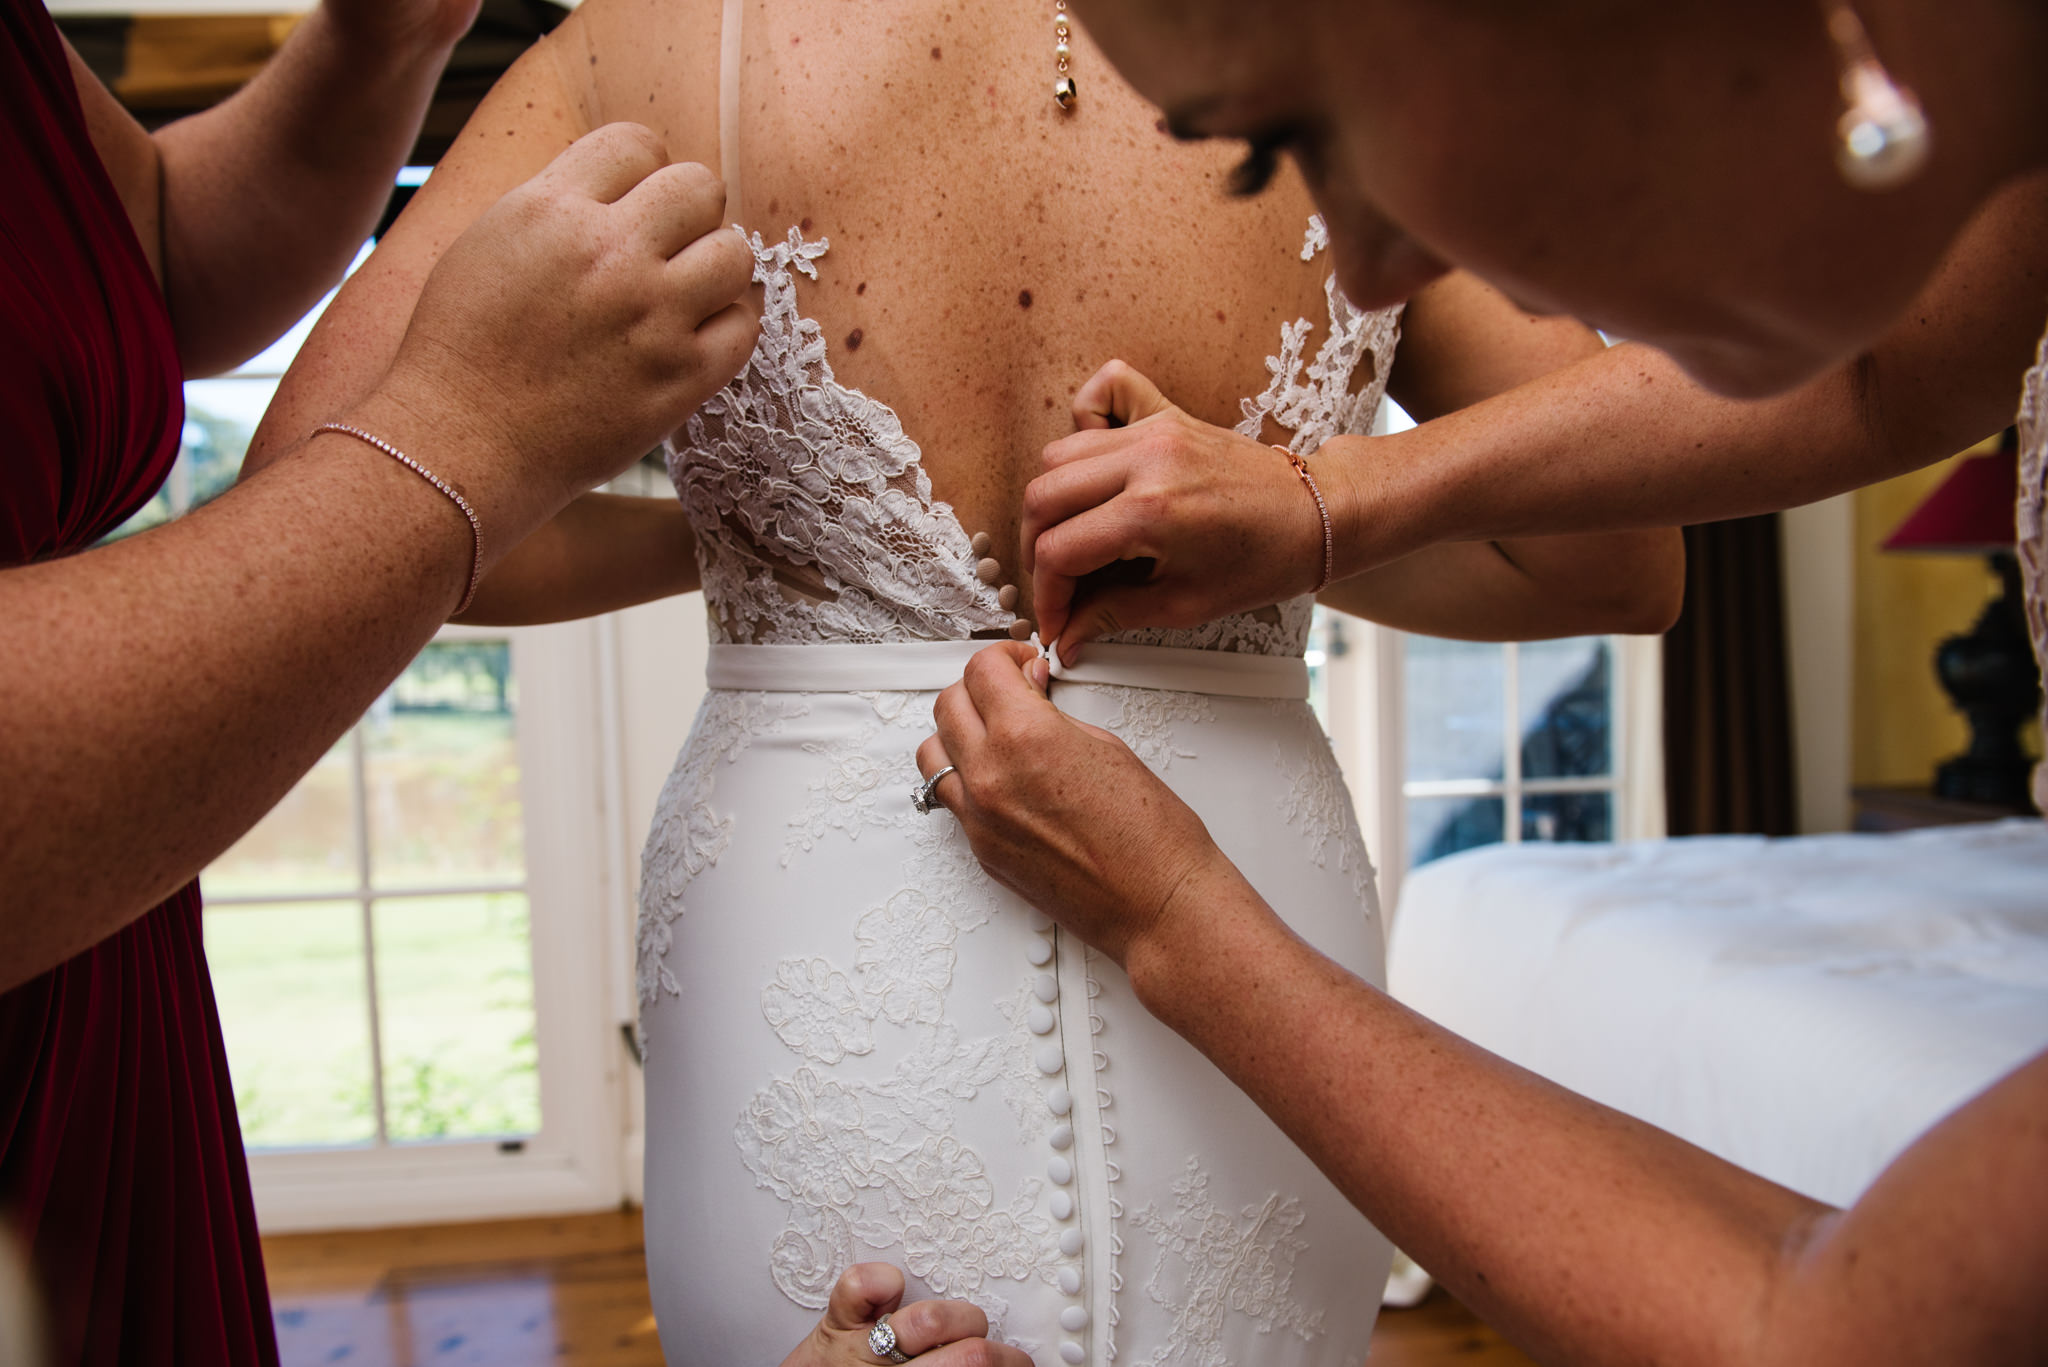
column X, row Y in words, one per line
column 1064, row 93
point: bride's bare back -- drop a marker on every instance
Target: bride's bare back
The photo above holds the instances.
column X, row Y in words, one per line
column 988, row 250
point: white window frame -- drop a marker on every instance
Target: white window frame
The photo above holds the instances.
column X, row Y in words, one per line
column 1367, row 726
column 574, row 1162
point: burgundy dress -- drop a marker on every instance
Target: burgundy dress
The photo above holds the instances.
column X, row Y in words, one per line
column 120, row 1158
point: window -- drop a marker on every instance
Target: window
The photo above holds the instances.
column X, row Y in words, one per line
column 1507, row 743
column 1451, row 745
column 369, row 938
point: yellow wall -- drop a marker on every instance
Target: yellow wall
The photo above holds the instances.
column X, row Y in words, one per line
column 1903, row 723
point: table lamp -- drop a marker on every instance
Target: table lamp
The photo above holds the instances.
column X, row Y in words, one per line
column 1989, row 671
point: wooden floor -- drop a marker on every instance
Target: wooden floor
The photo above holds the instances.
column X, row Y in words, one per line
column 572, row 1292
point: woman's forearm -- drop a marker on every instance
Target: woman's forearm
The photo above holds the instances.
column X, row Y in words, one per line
column 1619, row 441
column 160, row 694
column 1535, row 588
column 601, row 553
column 1582, row 1234
column 267, row 196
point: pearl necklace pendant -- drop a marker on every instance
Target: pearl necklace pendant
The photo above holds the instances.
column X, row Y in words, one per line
column 1064, row 91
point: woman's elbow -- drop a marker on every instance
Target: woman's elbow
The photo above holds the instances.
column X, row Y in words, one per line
column 1630, row 583
column 1650, row 590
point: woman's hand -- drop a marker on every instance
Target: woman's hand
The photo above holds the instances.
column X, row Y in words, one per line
column 571, row 327
column 1061, row 812
column 939, row 1333
column 1224, row 522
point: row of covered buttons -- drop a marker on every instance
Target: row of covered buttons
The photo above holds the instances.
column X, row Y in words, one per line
column 1059, row 1169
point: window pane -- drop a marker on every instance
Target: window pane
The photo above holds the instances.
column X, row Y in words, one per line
column 220, row 418
column 1568, row 816
column 456, row 978
column 1455, row 701
column 442, row 771
column 289, row 981
column 306, row 844
column 1567, row 708
column 1438, row 826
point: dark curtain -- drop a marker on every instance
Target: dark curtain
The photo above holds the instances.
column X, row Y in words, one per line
column 1727, row 693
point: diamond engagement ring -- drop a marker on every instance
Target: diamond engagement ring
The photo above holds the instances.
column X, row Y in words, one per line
column 882, row 1338
column 924, row 796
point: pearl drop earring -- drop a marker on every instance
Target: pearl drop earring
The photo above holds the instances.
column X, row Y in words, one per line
column 1884, row 140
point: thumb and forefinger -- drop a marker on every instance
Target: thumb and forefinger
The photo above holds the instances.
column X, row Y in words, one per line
column 864, row 1293
column 1116, row 396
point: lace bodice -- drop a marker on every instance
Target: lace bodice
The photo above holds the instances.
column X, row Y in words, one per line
column 814, row 515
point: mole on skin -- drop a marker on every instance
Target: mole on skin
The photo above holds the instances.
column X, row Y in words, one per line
column 1023, row 299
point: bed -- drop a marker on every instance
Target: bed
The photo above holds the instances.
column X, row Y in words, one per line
column 1801, row 1007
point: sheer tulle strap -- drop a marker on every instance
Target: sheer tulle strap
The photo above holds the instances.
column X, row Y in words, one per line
column 925, row 666
column 729, row 108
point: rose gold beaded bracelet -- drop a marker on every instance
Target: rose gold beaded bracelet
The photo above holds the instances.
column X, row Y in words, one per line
column 476, row 528
column 1322, row 511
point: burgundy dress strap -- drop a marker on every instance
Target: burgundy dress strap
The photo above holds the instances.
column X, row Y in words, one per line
column 121, row 1160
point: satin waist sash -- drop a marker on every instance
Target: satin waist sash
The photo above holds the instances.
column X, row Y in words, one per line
column 927, row 666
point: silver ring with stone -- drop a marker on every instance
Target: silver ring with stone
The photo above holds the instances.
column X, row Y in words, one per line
column 882, row 1341
column 925, row 796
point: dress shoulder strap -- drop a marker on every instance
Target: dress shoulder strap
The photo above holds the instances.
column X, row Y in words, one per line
column 729, row 107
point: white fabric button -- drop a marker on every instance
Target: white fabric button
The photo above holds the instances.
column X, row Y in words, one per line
column 1046, row 989
column 1039, row 951
column 1051, row 1060
column 1058, row 1100
column 1070, row 1280
column 1074, row 1319
column 1071, row 1242
column 1039, row 1018
column 1062, row 1136
column 1060, row 1170
column 1073, row 1353
column 1061, row 1204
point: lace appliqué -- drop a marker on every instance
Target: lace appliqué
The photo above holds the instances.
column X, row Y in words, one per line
column 857, row 790
column 814, row 518
column 1213, row 1264
column 1147, row 717
column 878, row 1163
column 1318, row 804
column 1313, row 400
column 2031, row 543
column 689, row 834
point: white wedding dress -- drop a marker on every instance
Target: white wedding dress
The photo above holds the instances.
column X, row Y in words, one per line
column 860, row 1048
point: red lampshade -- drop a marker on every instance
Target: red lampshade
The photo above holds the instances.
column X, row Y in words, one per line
column 1971, row 513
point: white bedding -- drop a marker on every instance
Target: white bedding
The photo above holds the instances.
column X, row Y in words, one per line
column 1804, row 1007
